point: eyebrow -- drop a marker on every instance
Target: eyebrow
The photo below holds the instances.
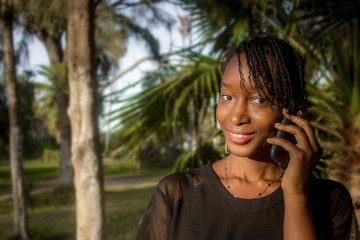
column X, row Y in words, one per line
column 228, row 85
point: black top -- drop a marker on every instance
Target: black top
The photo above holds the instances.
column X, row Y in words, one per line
column 195, row 205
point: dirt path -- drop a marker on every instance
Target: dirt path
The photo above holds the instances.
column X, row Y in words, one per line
column 130, row 181
column 121, row 181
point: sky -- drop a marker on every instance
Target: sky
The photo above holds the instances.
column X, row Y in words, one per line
column 136, row 51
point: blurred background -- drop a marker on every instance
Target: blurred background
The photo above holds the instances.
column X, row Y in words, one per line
column 157, row 71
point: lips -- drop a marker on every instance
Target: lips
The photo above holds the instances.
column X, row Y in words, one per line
column 240, row 138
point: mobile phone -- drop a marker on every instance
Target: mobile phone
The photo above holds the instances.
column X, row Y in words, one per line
column 277, row 153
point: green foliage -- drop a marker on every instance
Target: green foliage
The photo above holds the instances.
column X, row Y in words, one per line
column 45, row 106
column 342, row 74
column 49, row 211
column 26, row 89
column 137, row 18
column 180, row 103
column 325, row 16
column 49, row 154
column 44, row 14
column 51, row 208
column 202, row 154
column 222, row 23
column 171, row 106
column 336, row 104
column 110, row 40
column 125, row 209
column 33, row 169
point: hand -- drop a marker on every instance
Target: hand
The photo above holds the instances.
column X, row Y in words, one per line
column 304, row 156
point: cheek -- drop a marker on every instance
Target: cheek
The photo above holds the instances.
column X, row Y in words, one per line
column 265, row 120
column 220, row 114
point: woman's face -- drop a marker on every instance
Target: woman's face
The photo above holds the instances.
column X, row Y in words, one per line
column 246, row 118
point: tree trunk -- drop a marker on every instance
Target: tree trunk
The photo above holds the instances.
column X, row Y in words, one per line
column 56, row 56
column 83, row 112
column 66, row 173
column 16, row 158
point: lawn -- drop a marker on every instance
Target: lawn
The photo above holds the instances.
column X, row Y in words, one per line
column 51, row 209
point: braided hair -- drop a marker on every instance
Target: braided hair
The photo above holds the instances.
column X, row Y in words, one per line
column 276, row 71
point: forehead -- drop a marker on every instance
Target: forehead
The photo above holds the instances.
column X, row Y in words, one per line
column 237, row 73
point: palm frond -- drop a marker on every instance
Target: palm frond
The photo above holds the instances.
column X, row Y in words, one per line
column 221, row 23
column 202, row 154
column 170, row 107
column 324, row 16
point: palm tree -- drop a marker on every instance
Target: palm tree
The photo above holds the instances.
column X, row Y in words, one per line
column 181, row 101
column 302, row 25
column 327, row 32
column 337, row 109
column 83, row 112
column 45, row 106
column 190, row 90
column 47, row 21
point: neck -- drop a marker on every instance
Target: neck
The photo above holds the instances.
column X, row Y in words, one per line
column 249, row 170
column 248, row 188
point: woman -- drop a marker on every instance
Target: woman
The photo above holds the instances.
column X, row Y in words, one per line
column 247, row 195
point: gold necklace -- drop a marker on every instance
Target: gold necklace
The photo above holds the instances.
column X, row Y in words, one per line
column 260, row 193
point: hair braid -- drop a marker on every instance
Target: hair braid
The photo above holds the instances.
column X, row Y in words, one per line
column 266, row 87
column 275, row 69
column 242, row 78
column 284, row 79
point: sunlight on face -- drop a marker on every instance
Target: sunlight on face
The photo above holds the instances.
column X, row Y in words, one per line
column 246, row 118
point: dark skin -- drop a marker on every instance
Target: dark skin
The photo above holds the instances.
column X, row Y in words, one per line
column 249, row 124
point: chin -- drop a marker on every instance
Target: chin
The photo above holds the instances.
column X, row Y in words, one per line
column 256, row 154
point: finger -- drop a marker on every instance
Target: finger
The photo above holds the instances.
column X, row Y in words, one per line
column 306, row 126
column 302, row 150
column 282, row 142
column 300, row 135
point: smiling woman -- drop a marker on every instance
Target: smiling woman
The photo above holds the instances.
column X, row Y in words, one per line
column 245, row 116
column 247, row 195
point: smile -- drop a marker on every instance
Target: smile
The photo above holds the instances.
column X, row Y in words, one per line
column 240, row 138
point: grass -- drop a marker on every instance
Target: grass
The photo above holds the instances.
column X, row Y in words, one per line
column 52, row 211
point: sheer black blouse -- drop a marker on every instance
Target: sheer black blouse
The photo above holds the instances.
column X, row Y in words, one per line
column 195, row 205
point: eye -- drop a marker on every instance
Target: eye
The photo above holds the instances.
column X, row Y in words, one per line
column 260, row 100
column 226, row 97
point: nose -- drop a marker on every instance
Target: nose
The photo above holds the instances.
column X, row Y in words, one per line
column 239, row 113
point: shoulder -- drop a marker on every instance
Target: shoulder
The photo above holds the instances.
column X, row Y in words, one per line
column 176, row 184
column 329, row 194
column 332, row 209
column 328, row 187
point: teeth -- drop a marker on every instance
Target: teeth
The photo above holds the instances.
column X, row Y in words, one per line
column 238, row 135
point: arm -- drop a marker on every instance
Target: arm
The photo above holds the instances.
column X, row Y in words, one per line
column 344, row 222
column 298, row 221
column 154, row 224
column 304, row 155
column 157, row 220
